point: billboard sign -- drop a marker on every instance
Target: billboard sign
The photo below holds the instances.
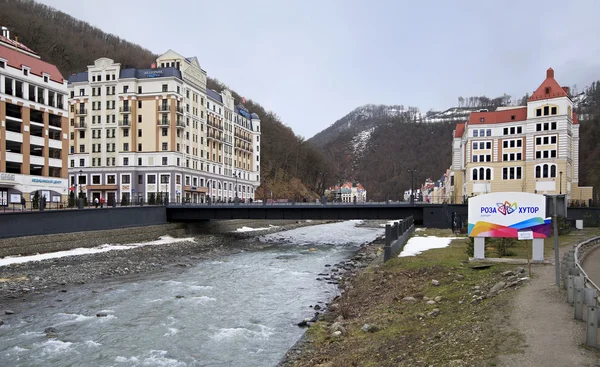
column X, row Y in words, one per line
column 504, row 214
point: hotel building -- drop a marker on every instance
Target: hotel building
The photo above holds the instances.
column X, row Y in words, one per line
column 33, row 126
column 533, row 148
column 141, row 134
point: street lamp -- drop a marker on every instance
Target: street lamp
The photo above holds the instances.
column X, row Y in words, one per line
column 560, row 182
column 236, row 186
column 412, row 180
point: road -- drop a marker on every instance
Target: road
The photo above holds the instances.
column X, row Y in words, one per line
column 591, row 265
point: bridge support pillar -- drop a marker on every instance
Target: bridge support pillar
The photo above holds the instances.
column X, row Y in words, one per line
column 479, row 252
column 538, row 249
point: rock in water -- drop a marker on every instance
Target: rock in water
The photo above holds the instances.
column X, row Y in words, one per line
column 9, row 312
column 49, row 330
column 101, row 314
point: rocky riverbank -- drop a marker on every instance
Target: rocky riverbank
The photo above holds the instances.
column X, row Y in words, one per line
column 19, row 281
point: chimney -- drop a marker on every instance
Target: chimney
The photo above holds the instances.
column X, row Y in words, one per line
column 550, row 73
column 5, row 33
column 566, row 89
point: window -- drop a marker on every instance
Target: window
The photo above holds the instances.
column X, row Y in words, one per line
column 140, row 179
column 546, row 140
column 82, row 148
column 139, row 133
column 125, row 133
column 553, row 139
column 165, row 161
column 512, row 143
column 488, row 145
column 505, row 131
column 151, row 179
column 165, row 146
column 546, row 126
column 126, row 161
column 475, row 133
column 140, row 118
column 125, row 147
column 519, row 129
column 482, row 145
column 139, row 104
column 513, row 130
column 546, row 108
column 553, row 125
column 164, row 87
column 125, row 88
column 139, row 147
column 519, row 143
column 2, row 64
column 110, row 179
column 164, row 131
column 45, row 79
column 126, row 179
column 505, row 144
column 538, row 154
column 519, row 156
column 538, row 127
column 139, row 161
column 140, row 90
column 505, row 157
column 95, row 179
column 164, row 179
column 82, row 179
column 545, row 154
column 553, row 111
column 553, row 154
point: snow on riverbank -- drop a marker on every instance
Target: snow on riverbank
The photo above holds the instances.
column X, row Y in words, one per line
column 250, row 229
column 163, row 240
column 417, row 245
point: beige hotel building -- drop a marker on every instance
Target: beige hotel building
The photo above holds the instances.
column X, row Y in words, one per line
column 33, row 126
column 138, row 134
column 533, row 148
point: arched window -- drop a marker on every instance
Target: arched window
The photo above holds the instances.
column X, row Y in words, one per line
column 488, row 174
column 553, row 170
column 545, row 169
column 538, row 171
column 481, row 173
column 475, row 174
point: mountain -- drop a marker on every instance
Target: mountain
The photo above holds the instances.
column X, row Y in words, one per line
column 376, row 145
column 289, row 165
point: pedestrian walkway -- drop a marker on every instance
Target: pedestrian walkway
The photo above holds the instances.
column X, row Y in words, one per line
column 552, row 337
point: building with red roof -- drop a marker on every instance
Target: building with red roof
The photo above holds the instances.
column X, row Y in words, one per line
column 532, row 148
column 33, row 126
column 348, row 192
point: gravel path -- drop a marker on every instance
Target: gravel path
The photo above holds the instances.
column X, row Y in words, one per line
column 591, row 265
column 552, row 336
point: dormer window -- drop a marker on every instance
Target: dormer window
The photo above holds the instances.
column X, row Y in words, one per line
column 546, row 110
column 553, row 111
column 482, row 119
column 547, row 90
column 45, row 78
column 2, row 64
column 538, row 112
column 25, row 71
column 512, row 117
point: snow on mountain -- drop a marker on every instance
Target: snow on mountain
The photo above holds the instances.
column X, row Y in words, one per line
column 359, row 141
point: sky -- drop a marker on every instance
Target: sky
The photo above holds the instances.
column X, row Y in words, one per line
column 313, row 61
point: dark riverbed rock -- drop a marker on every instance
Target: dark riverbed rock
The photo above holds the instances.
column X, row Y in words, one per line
column 317, row 307
column 9, row 312
column 1, row 322
column 49, row 330
column 179, row 296
column 101, row 314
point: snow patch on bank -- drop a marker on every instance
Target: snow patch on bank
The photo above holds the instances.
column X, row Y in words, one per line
column 250, row 229
column 417, row 245
column 163, row 240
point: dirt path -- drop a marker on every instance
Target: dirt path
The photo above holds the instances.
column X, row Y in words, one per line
column 552, row 336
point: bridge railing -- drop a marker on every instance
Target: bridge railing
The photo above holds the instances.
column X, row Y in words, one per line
column 582, row 292
column 396, row 236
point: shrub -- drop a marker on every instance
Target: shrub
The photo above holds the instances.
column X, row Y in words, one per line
column 124, row 201
column 71, row 199
column 470, row 250
column 36, row 200
column 151, row 199
column 503, row 245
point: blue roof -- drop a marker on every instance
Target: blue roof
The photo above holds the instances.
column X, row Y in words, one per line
column 214, row 95
column 255, row 116
column 79, row 77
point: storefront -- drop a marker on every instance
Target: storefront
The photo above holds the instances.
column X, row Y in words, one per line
column 14, row 187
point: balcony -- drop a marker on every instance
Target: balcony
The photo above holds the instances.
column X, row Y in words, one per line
column 163, row 122
column 164, row 108
column 180, row 125
column 179, row 109
column 124, row 123
column 81, row 111
column 80, row 126
column 125, row 109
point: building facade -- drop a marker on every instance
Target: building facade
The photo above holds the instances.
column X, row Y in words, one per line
column 533, row 148
column 347, row 193
column 147, row 134
column 33, row 126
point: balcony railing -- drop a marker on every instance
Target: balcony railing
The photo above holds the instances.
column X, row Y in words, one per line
column 180, row 124
column 124, row 123
column 179, row 109
column 164, row 108
column 80, row 125
column 81, row 111
column 125, row 109
column 162, row 122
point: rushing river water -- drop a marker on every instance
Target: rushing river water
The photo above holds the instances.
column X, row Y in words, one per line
column 238, row 310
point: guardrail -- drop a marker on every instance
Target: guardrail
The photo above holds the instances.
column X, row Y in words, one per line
column 581, row 290
column 396, row 236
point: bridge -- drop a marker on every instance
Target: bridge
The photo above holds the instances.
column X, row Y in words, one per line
column 32, row 223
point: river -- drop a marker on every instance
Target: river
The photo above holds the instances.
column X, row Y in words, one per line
column 238, row 310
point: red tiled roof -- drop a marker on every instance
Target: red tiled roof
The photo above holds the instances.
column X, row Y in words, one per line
column 496, row 117
column 17, row 59
column 16, row 44
column 549, row 85
column 460, row 130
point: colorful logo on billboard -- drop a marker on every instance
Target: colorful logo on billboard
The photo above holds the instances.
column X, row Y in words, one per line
column 507, row 208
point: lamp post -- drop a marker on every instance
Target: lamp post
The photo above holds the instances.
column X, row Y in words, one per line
column 412, row 180
column 236, row 187
column 79, row 198
column 560, row 182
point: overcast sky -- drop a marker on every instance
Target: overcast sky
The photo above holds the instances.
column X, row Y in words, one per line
column 313, row 61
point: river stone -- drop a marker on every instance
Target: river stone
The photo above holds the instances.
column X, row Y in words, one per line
column 1, row 322
column 507, row 273
column 337, row 334
column 409, row 299
column 179, row 296
column 438, row 298
column 9, row 312
column 101, row 314
column 425, row 298
column 51, row 336
column 497, row 287
column 317, row 307
column 49, row 330
column 434, row 312
column 435, row 282
column 519, row 270
column 431, row 302
column 336, row 326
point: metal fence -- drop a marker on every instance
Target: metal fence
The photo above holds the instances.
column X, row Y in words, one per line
column 582, row 292
column 396, row 236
